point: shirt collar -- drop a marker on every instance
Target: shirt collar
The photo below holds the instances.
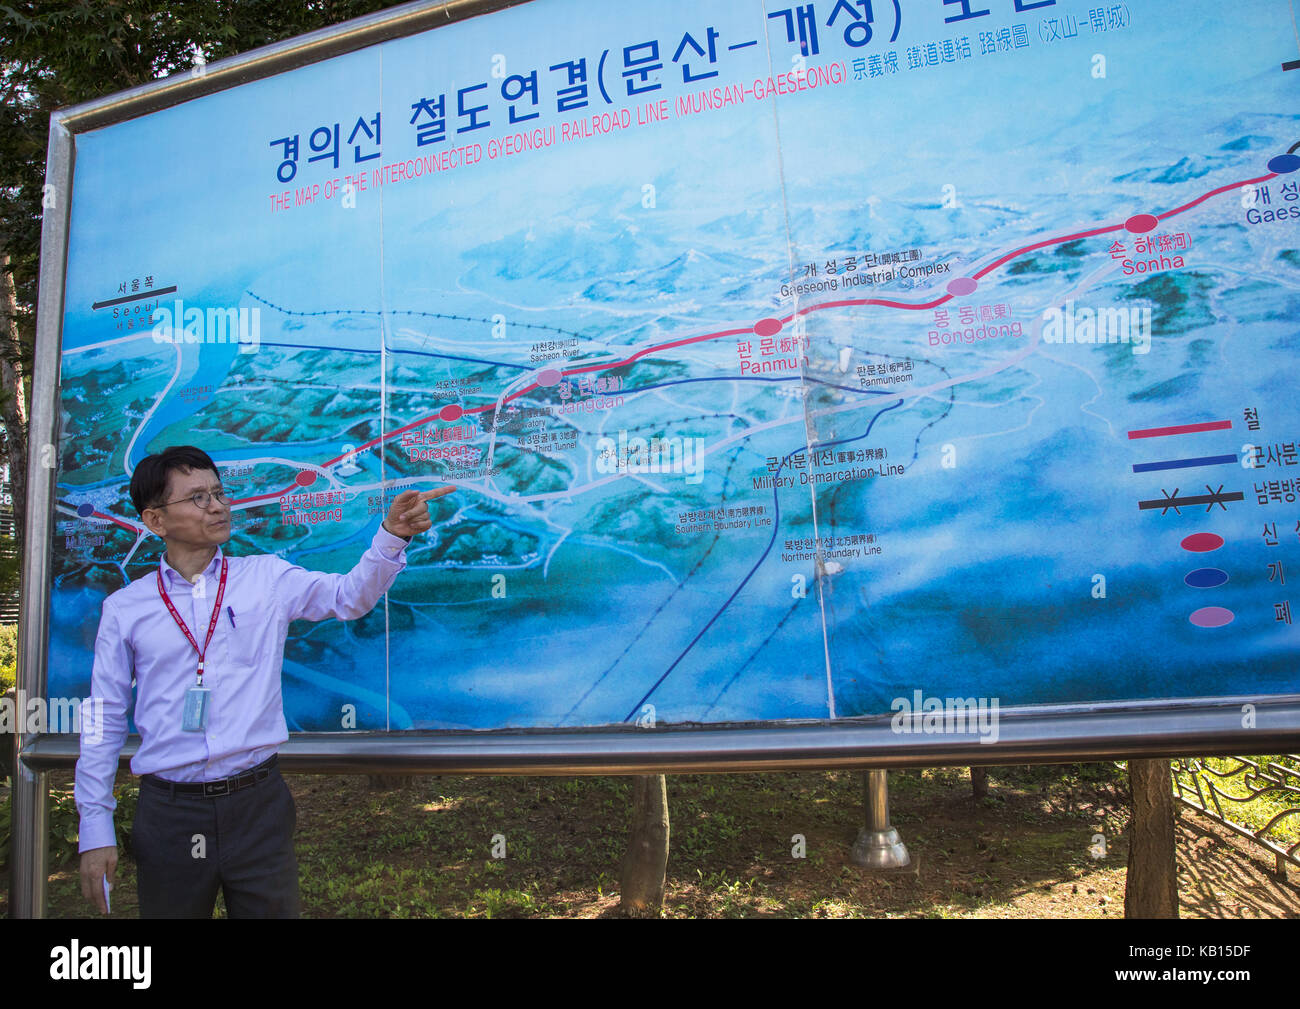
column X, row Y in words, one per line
column 171, row 576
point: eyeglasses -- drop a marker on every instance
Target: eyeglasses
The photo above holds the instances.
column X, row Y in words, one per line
column 201, row 500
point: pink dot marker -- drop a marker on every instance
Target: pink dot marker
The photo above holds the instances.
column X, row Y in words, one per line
column 1212, row 616
column 767, row 327
column 452, row 412
column 549, row 377
column 305, row 478
column 1140, row 224
column 962, row 286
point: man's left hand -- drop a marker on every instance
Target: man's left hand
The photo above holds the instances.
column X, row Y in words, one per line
column 409, row 513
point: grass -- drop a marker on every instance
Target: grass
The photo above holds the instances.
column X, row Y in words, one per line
column 428, row 850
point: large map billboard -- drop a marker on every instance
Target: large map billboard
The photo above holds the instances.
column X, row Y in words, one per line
column 789, row 361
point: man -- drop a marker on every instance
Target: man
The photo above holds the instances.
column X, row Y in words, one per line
column 203, row 639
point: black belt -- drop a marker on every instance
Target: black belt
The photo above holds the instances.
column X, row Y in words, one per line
column 222, row 786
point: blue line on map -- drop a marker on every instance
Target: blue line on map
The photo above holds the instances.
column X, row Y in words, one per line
column 392, row 350
column 776, row 530
column 1205, row 460
column 755, row 654
column 726, row 484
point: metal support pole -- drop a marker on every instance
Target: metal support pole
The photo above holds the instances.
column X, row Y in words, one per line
column 30, row 797
column 878, row 845
column 29, row 850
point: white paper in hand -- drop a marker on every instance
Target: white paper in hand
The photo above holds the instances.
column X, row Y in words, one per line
column 108, row 903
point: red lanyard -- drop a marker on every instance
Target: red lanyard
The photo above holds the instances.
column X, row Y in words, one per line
column 212, row 623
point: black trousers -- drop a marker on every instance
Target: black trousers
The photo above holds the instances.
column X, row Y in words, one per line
column 189, row 846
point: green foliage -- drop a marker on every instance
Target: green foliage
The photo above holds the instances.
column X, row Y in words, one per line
column 8, row 656
column 1233, row 781
column 63, row 827
column 496, row 903
column 127, row 796
column 10, row 570
column 65, row 823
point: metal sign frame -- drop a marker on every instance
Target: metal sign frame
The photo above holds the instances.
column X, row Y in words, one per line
column 1034, row 734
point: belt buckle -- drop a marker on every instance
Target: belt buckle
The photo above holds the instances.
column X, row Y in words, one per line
column 211, row 788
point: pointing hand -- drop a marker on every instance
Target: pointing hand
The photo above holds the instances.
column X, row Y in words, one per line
column 409, row 513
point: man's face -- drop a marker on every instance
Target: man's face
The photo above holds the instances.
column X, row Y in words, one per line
column 181, row 521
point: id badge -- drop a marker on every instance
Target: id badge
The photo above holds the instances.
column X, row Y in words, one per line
column 195, row 718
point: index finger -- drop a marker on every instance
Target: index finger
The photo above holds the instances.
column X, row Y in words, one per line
column 429, row 495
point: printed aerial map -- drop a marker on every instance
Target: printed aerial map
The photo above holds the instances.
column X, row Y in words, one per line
column 786, row 360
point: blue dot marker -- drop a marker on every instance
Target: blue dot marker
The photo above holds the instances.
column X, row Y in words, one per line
column 85, row 510
column 1206, row 578
column 1284, row 163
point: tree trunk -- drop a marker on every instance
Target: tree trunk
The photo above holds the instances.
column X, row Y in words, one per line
column 642, row 885
column 1151, row 889
column 979, row 782
column 13, row 400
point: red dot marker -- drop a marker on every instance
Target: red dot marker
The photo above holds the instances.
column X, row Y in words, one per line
column 1140, row 224
column 306, row 478
column 452, row 412
column 767, row 327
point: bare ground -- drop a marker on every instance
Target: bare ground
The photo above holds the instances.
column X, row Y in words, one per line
column 1032, row 849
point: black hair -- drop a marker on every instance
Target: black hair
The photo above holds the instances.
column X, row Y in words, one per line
column 149, row 481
